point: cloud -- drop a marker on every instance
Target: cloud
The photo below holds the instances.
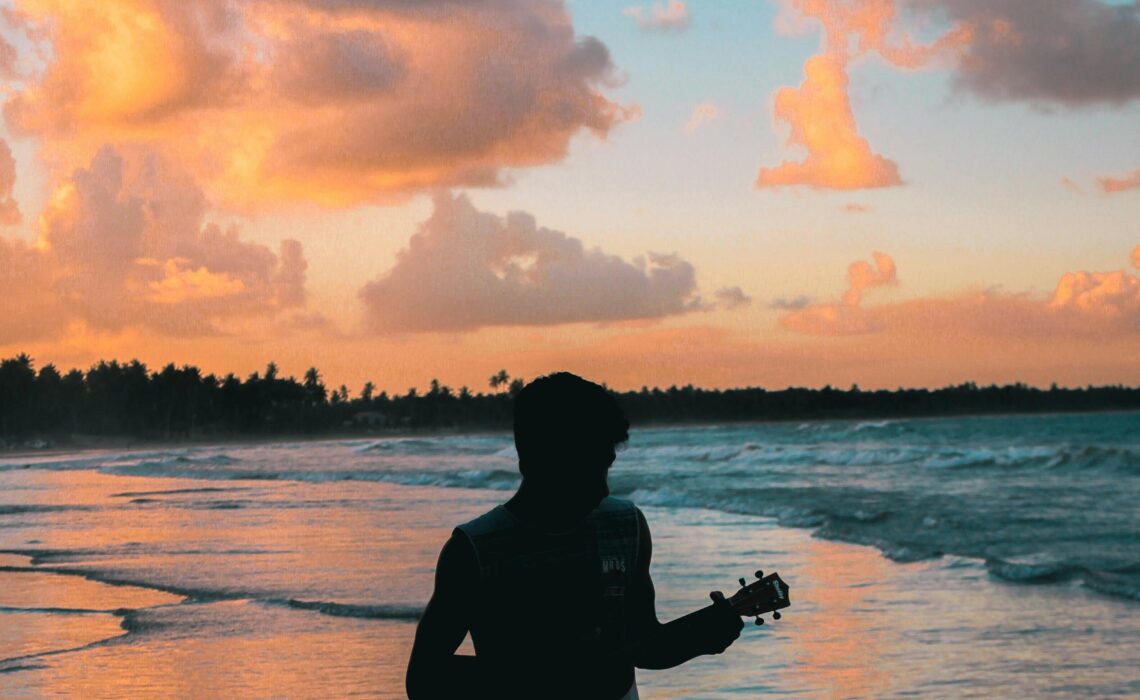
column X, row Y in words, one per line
column 1071, row 184
column 1136, row 257
column 846, row 317
column 1073, row 53
column 9, row 209
column 25, row 276
column 732, row 298
column 856, row 208
column 124, row 243
column 819, row 113
column 861, row 276
column 1114, row 293
column 673, row 17
column 821, row 121
column 466, row 269
column 1084, row 306
column 792, row 304
column 1112, row 185
column 702, row 114
column 334, row 102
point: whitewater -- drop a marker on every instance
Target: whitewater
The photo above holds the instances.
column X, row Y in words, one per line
column 941, row 557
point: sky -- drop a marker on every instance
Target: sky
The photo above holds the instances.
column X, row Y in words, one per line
column 775, row 193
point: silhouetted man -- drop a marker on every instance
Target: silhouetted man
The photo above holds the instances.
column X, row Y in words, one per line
column 554, row 585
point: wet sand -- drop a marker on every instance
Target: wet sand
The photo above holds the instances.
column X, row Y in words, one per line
column 287, row 589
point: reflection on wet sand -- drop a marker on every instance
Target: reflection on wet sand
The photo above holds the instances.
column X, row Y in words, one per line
column 310, row 590
column 836, row 650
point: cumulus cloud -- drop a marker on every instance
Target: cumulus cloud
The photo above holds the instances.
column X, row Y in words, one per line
column 334, row 102
column 702, row 114
column 732, row 298
column 9, row 209
column 1136, row 257
column 124, row 243
column 1073, row 53
column 25, row 276
column 1085, row 306
column 846, row 317
column 1112, row 185
column 671, row 17
column 1115, row 293
column 465, row 269
column 820, row 118
column 819, row 114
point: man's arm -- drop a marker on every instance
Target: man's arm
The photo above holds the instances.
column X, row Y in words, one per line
column 709, row 630
column 435, row 671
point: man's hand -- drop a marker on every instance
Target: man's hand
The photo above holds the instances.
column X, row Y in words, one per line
column 719, row 626
column 724, row 626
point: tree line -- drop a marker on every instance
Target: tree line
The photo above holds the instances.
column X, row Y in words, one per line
column 129, row 399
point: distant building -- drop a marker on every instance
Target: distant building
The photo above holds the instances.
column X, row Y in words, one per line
column 369, row 419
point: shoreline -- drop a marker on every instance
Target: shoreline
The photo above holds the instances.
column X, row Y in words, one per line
column 89, row 443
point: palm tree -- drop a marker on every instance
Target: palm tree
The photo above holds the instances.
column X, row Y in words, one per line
column 501, row 379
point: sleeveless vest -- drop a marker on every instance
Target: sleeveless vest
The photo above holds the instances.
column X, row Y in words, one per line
column 566, row 589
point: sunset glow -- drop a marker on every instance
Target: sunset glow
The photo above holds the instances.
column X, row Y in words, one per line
column 652, row 194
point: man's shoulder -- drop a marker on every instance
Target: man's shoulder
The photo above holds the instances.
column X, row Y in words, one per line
column 613, row 504
column 497, row 519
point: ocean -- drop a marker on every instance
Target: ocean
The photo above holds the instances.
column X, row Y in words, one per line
column 958, row 557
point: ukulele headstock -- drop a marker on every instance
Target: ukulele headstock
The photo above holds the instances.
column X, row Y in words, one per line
column 765, row 594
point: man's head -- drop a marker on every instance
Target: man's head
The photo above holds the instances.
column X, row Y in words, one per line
column 566, row 432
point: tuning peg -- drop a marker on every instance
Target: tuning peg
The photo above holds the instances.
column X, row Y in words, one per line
column 743, row 583
column 759, row 573
column 776, row 616
column 759, row 620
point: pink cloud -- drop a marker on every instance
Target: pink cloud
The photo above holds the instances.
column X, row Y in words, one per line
column 124, row 243
column 1112, row 185
column 465, row 269
column 845, row 317
column 1084, row 305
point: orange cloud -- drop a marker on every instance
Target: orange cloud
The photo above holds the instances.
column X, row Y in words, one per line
column 846, row 317
column 861, row 275
column 1088, row 305
column 9, row 210
column 819, row 111
column 338, row 103
column 181, row 283
column 124, row 243
column 465, row 269
column 1111, row 185
column 1114, row 293
column 820, row 117
column 1136, row 257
